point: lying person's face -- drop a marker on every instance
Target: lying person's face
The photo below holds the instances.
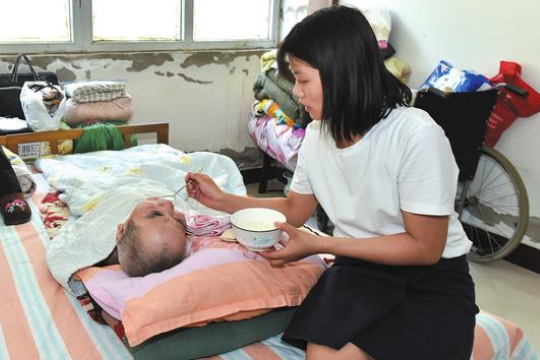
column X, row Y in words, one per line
column 153, row 239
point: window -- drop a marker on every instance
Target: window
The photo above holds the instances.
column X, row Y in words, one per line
column 23, row 26
column 116, row 25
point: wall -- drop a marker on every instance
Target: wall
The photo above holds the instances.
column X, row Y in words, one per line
column 476, row 35
column 205, row 96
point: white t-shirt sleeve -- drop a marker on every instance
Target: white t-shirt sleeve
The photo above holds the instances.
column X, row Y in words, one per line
column 300, row 183
column 427, row 177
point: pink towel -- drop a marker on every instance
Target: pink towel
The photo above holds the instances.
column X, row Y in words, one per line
column 207, row 225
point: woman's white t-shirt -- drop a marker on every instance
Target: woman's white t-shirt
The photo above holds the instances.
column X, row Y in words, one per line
column 404, row 163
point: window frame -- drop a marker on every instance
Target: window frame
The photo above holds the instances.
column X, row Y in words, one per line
column 81, row 29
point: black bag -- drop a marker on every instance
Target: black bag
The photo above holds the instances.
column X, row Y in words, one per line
column 11, row 86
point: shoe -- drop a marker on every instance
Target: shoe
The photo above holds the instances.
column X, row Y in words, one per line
column 15, row 209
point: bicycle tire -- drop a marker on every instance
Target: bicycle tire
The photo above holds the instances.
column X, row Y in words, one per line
column 495, row 215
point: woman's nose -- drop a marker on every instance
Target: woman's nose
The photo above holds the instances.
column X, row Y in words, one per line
column 297, row 91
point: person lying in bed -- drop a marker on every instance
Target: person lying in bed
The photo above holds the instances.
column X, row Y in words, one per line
column 151, row 240
column 133, row 226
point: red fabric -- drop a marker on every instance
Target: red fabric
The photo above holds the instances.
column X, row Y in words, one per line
column 510, row 106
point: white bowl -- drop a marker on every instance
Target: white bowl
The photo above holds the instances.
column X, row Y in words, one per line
column 254, row 227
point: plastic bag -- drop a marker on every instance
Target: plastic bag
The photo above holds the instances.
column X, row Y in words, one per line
column 510, row 106
column 43, row 105
column 449, row 79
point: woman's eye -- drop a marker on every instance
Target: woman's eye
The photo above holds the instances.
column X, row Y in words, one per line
column 156, row 213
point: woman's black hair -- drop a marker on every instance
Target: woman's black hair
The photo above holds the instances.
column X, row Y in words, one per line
column 358, row 90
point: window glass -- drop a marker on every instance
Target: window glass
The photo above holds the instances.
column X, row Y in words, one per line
column 44, row 21
column 136, row 20
column 231, row 20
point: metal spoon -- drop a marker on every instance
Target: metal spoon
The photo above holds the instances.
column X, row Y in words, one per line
column 189, row 182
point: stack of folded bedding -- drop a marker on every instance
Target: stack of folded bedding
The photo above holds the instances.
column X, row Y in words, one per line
column 277, row 119
column 97, row 101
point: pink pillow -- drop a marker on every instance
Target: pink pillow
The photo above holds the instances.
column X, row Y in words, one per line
column 217, row 281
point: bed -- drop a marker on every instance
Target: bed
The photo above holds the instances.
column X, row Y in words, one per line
column 40, row 320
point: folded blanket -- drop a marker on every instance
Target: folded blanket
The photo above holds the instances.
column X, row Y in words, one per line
column 280, row 141
column 118, row 109
column 83, row 92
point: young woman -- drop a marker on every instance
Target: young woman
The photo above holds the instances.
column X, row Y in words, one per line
column 385, row 174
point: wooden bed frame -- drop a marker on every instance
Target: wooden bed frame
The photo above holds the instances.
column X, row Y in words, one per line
column 53, row 137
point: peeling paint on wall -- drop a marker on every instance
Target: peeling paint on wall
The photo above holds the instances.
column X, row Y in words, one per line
column 139, row 61
column 192, row 80
column 161, row 73
column 200, row 59
column 65, row 74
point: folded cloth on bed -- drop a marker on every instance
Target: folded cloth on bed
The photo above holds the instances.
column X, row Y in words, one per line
column 202, row 224
column 271, row 85
column 117, row 109
column 95, row 91
column 280, row 141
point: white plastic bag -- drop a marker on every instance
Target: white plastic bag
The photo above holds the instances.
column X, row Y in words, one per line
column 43, row 105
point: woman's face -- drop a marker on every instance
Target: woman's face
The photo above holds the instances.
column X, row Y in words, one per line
column 307, row 87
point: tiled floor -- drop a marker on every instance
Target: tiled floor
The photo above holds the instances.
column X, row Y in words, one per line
column 502, row 288
column 511, row 292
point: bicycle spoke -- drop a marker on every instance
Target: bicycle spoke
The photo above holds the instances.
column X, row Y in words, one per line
column 496, row 208
column 508, row 183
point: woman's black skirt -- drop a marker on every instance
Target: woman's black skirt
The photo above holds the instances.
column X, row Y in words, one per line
column 390, row 312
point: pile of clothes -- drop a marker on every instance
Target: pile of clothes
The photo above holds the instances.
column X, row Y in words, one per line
column 278, row 121
column 96, row 101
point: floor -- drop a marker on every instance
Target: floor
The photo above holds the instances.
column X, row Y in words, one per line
column 502, row 288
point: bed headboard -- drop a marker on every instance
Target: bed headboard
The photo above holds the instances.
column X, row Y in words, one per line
column 53, row 137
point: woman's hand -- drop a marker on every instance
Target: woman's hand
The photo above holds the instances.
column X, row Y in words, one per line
column 203, row 189
column 298, row 245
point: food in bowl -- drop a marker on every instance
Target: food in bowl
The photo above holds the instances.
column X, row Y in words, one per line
column 255, row 229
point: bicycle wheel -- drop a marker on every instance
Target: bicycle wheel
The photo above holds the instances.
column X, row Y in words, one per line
column 496, row 209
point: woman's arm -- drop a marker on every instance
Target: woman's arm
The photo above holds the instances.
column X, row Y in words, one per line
column 422, row 243
column 297, row 208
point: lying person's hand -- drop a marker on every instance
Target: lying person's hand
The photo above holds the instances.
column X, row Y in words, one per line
column 297, row 244
column 203, row 189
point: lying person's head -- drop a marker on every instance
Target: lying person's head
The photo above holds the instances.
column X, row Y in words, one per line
column 153, row 238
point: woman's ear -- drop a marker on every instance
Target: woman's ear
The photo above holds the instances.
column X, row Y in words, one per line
column 120, row 231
